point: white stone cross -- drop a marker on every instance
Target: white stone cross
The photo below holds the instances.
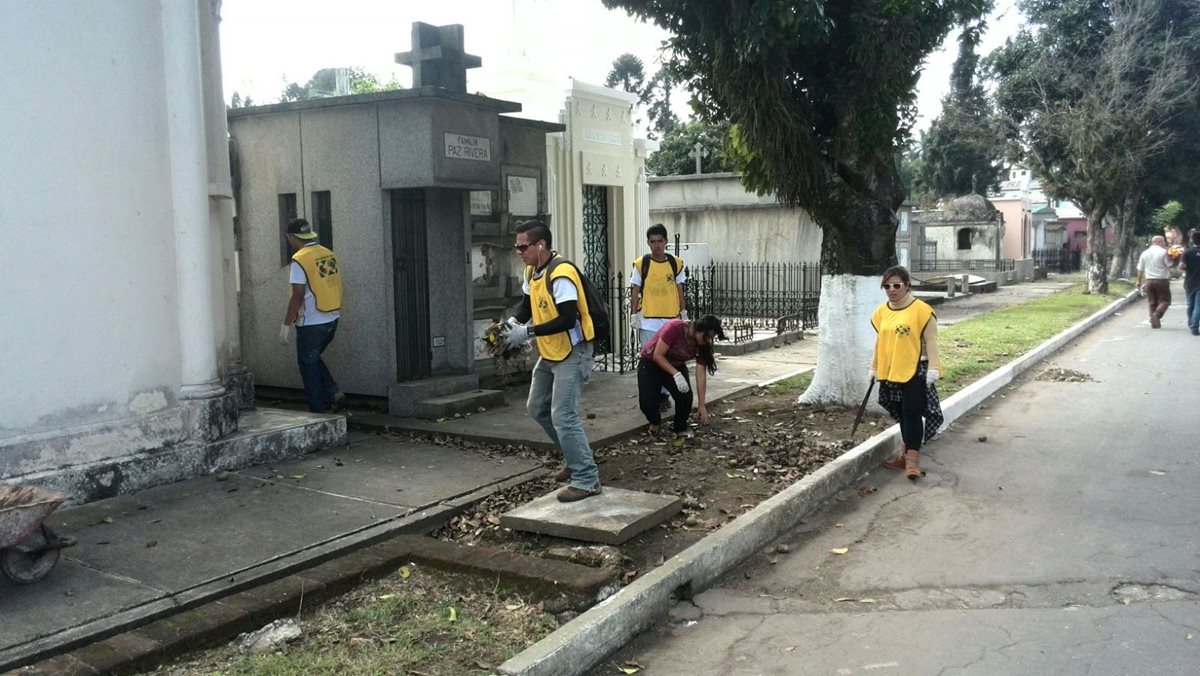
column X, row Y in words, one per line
column 698, row 152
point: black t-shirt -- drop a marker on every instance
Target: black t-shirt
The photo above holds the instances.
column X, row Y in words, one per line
column 1191, row 259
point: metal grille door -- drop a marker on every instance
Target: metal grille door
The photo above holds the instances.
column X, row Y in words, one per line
column 410, row 270
column 595, row 233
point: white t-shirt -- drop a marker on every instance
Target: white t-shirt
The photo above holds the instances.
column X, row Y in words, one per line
column 1153, row 263
column 309, row 314
column 654, row 323
column 563, row 290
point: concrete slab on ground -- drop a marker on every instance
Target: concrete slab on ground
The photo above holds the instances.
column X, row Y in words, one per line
column 142, row 555
column 610, row 518
column 610, row 407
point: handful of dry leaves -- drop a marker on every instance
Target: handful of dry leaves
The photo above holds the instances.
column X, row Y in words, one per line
column 493, row 342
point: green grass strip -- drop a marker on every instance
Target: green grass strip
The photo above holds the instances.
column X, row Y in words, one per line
column 976, row 346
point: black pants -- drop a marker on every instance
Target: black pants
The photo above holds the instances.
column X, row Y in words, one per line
column 912, row 407
column 651, row 380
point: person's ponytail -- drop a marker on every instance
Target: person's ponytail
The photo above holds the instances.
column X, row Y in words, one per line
column 704, row 353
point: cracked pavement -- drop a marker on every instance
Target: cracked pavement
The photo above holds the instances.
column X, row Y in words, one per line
column 1066, row 543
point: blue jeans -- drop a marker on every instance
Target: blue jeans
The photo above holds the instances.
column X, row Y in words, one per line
column 555, row 394
column 319, row 386
column 1193, row 311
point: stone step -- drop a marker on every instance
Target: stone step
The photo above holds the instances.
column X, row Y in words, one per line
column 458, row 403
column 438, row 386
column 270, row 434
column 263, row 435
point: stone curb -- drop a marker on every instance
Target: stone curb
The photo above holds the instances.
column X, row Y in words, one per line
column 602, row 630
column 222, row 620
column 420, row 521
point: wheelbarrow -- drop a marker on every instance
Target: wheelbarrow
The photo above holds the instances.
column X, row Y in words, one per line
column 29, row 550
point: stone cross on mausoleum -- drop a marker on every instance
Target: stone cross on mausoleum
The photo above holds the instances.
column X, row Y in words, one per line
column 437, row 57
column 699, row 152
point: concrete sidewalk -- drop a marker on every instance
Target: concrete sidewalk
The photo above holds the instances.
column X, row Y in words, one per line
column 158, row 551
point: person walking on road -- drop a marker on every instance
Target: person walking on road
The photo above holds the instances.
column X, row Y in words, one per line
column 1154, row 279
column 314, row 308
column 563, row 331
column 906, row 364
column 662, row 363
column 656, row 289
column 1190, row 264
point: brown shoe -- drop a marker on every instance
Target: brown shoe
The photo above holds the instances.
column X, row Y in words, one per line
column 896, row 461
column 564, row 474
column 912, row 465
column 574, row 494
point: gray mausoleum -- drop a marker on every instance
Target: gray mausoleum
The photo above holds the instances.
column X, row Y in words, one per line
column 404, row 186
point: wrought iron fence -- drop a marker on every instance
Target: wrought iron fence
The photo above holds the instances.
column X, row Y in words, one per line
column 746, row 296
column 1058, row 260
column 775, row 296
column 955, row 265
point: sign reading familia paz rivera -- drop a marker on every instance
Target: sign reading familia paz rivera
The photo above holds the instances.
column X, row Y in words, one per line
column 463, row 147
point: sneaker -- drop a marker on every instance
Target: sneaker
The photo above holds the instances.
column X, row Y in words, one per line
column 1196, row 332
column 564, row 474
column 1154, row 322
column 575, row 494
column 338, row 403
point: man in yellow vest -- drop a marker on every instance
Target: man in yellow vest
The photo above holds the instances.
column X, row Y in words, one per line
column 562, row 329
column 314, row 308
column 656, row 290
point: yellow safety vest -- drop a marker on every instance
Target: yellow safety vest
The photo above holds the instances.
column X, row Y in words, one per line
column 660, row 291
column 321, row 268
column 898, row 347
column 557, row 346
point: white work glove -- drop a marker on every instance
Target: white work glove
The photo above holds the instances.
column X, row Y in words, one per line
column 932, row 375
column 681, row 382
column 515, row 334
column 683, row 315
column 285, row 333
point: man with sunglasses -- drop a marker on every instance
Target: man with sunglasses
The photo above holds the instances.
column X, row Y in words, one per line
column 563, row 331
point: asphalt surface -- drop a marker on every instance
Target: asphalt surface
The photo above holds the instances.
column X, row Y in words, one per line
column 1055, row 533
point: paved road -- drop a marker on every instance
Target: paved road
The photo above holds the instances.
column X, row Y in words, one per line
column 1066, row 543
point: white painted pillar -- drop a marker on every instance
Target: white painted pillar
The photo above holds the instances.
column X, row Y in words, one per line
column 187, row 144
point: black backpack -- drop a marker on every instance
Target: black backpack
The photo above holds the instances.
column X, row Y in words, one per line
column 597, row 307
column 646, row 267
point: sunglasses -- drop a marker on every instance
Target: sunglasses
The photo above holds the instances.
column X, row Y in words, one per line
column 521, row 247
column 895, row 286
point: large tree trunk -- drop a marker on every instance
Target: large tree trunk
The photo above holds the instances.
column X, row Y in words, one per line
column 846, row 340
column 1124, row 225
column 858, row 244
column 1097, row 270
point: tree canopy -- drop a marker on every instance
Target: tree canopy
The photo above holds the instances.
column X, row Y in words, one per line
column 1091, row 96
column 962, row 151
column 654, row 95
column 820, row 95
column 673, row 159
column 323, row 83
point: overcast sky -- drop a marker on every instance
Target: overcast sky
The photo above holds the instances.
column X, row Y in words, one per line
column 265, row 43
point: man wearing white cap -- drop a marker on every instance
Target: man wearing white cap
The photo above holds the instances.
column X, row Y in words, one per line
column 314, row 309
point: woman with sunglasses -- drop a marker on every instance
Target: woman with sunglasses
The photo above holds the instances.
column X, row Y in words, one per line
column 906, row 363
column 663, row 362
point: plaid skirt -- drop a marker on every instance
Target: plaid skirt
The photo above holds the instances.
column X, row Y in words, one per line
column 891, row 396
